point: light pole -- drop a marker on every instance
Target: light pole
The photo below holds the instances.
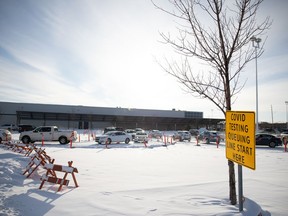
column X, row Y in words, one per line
column 286, row 102
column 255, row 44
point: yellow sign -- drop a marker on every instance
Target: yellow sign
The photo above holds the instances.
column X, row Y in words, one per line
column 240, row 138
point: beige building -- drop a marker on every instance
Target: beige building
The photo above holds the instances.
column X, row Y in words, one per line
column 86, row 117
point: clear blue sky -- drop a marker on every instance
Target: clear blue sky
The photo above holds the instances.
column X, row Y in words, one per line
column 102, row 53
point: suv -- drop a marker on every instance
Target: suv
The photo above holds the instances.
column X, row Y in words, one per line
column 156, row 134
column 141, row 137
column 24, row 127
column 194, row 132
column 131, row 132
column 184, row 135
column 208, row 136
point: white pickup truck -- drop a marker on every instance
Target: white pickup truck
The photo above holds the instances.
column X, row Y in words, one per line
column 48, row 133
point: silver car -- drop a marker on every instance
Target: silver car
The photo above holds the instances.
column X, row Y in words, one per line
column 184, row 135
column 141, row 137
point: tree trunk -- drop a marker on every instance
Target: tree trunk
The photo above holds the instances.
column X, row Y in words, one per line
column 232, row 181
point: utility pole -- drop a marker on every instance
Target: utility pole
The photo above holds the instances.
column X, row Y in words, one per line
column 255, row 44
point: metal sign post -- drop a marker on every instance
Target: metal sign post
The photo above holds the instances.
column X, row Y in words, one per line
column 240, row 188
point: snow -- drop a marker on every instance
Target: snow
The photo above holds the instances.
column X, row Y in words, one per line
column 129, row 179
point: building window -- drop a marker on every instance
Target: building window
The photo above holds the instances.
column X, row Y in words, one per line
column 193, row 115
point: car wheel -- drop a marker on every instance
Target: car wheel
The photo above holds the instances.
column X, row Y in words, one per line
column 109, row 141
column 127, row 140
column 63, row 140
column 26, row 139
column 272, row 144
column 207, row 141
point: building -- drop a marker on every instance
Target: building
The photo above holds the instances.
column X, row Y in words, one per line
column 86, row 117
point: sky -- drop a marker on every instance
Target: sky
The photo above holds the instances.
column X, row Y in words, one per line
column 106, row 54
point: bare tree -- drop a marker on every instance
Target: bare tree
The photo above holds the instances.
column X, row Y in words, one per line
column 222, row 42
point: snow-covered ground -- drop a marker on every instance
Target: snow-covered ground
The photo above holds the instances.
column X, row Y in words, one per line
column 180, row 179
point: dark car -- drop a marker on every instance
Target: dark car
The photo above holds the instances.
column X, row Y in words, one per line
column 268, row 140
column 194, row 132
column 25, row 127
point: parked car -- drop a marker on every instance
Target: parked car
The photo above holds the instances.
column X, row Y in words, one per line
column 176, row 136
column 194, row 132
column 270, row 131
column 141, row 136
column 107, row 129
column 10, row 127
column 208, row 136
column 48, row 133
column 114, row 137
column 284, row 135
column 132, row 132
column 156, row 134
column 139, row 129
column 184, row 135
column 25, row 127
column 268, row 139
column 5, row 135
